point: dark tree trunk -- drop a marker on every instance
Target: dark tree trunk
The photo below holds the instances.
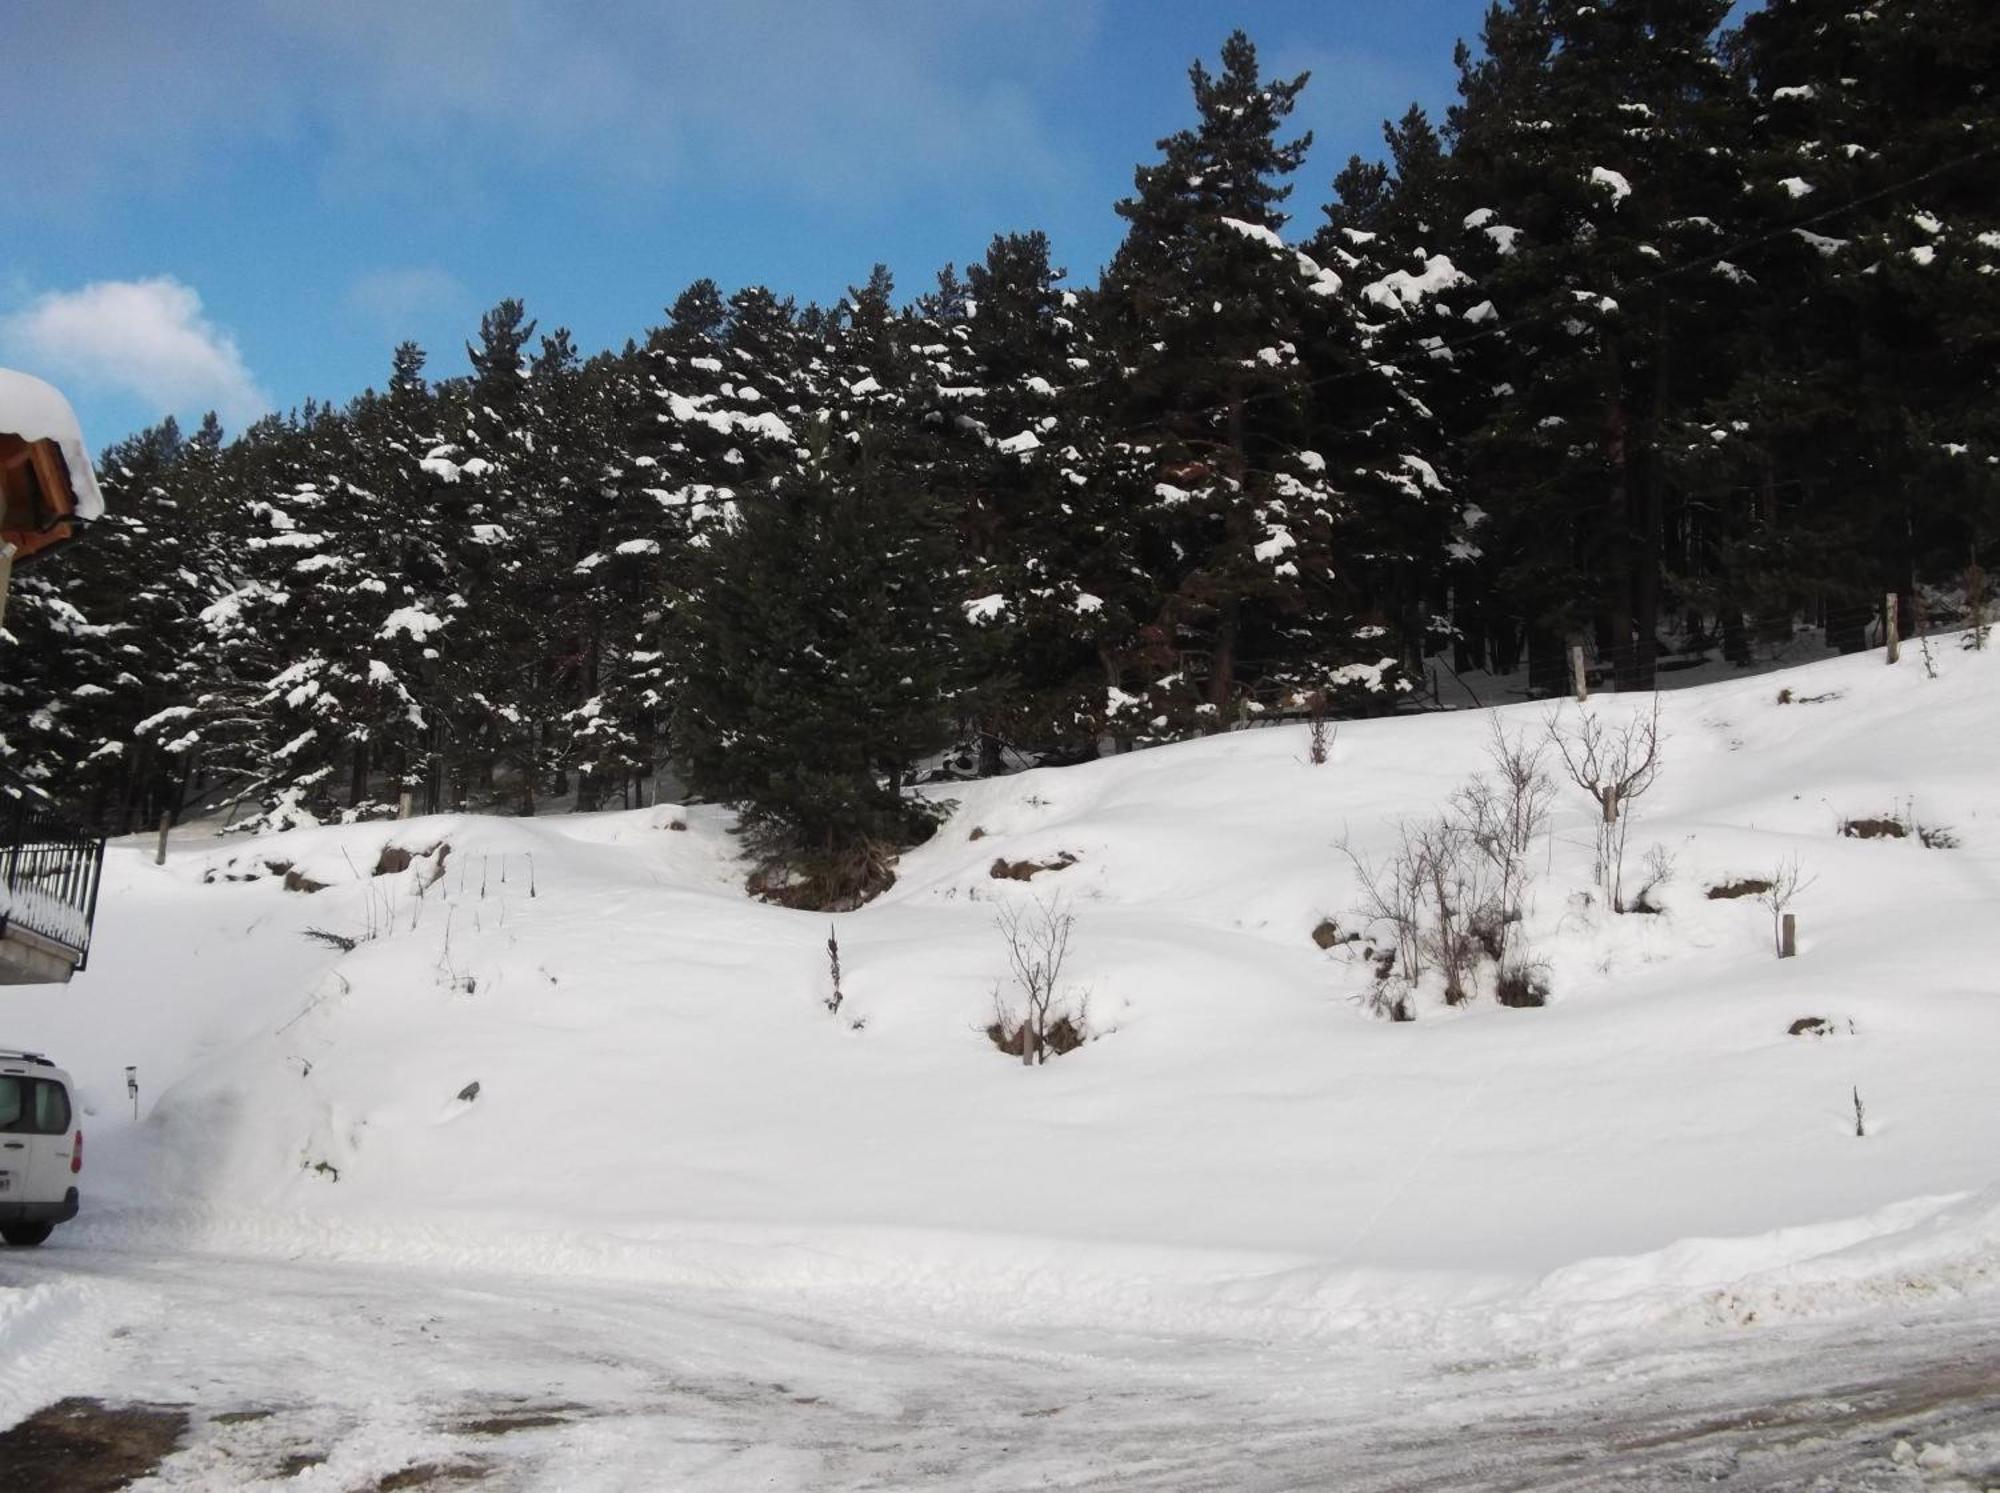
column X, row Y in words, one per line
column 1548, row 663
column 1735, row 636
column 1113, row 679
column 1621, row 565
column 1222, row 666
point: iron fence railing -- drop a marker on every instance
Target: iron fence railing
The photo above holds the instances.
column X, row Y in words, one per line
column 49, row 876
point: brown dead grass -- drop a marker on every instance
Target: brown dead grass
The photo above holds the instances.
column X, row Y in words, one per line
column 520, row 1418
column 1006, row 870
column 1746, row 886
column 1875, row 829
column 1064, row 1035
column 826, row 883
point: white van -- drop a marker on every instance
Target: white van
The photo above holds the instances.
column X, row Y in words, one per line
column 41, row 1151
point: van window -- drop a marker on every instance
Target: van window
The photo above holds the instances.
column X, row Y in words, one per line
column 33, row 1106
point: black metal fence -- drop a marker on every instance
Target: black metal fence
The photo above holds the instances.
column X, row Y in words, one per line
column 51, row 875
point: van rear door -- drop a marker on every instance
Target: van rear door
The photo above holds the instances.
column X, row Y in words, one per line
column 35, row 1140
column 16, row 1097
column 49, row 1145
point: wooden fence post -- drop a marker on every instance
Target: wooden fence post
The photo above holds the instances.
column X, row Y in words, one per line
column 1889, row 632
column 1578, row 678
column 1788, row 936
column 160, row 852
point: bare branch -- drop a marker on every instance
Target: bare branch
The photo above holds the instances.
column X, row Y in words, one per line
column 1037, row 937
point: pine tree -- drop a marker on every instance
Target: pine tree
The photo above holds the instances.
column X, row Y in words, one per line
column 1603, row 133
column 1860, row 431
column 819, row 637
column 101, row 640
column 492, row 468
column 1208, row 314
column 818, row 652
column 1047, row 584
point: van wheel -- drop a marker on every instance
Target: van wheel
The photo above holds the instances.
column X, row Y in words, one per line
column 24, row 1235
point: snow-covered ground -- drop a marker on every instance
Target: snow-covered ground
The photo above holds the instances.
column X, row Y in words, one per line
column 1249, row 1225
column 302, row 1374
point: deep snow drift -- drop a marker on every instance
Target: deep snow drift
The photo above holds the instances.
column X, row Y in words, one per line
column 663, row 1095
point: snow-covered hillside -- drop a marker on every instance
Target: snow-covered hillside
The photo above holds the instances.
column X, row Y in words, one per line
column 663, row 1095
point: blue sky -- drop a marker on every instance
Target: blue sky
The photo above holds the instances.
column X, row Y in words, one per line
column 240, row 203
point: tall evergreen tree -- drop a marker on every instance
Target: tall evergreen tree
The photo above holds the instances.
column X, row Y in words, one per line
column 1859, row 436
column 1207, row 313
column 819, row 652
column 1606, row 132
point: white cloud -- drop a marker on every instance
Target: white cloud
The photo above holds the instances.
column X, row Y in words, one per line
column 144, row 338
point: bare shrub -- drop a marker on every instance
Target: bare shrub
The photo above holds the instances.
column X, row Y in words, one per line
column 1392, row 897
column 1458, row 900
column 1615, row 766
column 834, row 999
column 1321, row 733
column 1041, row 1018
column 1522, row 984
column 1975, row 604
column 1435, row 894
column 1505, row 814
column 1391, row 997
column 1786, row 882
column 1656, row 871
column 1452, row 894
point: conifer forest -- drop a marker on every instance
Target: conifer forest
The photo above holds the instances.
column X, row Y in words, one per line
column 1675, row 329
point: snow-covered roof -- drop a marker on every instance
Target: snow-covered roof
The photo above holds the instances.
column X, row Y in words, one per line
column 35, row 411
